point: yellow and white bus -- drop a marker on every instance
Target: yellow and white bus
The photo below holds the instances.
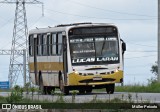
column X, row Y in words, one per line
column 80, row 56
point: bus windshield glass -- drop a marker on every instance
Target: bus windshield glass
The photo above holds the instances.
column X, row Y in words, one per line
column 92, row 50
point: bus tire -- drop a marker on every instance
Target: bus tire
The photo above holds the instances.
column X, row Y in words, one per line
column 50, row 89
column 42, row 88
column 63, row 89
column 89, row 90
column 81, row 91
column 110, row 88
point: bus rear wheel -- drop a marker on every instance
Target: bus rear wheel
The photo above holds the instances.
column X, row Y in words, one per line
column 110, row 88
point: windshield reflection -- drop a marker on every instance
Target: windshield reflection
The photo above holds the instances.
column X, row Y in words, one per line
column 94, row 50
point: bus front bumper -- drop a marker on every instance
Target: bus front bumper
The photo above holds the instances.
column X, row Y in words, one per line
column 75, row 79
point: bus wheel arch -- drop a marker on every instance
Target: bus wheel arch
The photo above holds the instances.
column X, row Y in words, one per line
column 62, row 86
column 39, row 75
column 41, row 86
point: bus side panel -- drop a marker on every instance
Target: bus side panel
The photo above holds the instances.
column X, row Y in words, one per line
column 53, row 79
column 49, row 72
column 32, row 75
column 49, row 79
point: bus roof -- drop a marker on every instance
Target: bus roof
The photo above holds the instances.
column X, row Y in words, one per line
column 63, row 27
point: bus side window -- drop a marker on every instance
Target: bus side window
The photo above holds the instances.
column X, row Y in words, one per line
column 49, row 44
column 59, row 44
column 31, row 45
column 54, row 39
column 39, row 45
column 44, row 44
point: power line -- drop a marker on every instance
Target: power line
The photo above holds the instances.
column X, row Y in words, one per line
column 138, row 65
column 36, row 21
column 7, row 22
column 141, row 51
column 8, row 43
column 1, row 17
column 141, row 45
column 71, row 14
column 141, row 56
column 108, row 10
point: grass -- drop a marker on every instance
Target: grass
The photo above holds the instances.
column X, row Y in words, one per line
column 24, row 100
column 150, row 88
column 3, row 99
column 95, row 103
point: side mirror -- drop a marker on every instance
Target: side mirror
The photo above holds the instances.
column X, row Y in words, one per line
column 124, row 46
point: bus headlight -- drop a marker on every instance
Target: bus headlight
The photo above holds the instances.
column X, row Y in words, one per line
column 76, row 72
column 116, row 70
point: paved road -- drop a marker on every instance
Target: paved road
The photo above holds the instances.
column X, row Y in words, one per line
column 136, row 97
column 4, row 94
column 80, row 98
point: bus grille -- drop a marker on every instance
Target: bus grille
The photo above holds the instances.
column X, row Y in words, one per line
column 92, row 81
column 102, row 73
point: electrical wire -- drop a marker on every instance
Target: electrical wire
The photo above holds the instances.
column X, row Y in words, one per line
column 9, row 43
column 141, row 44
column 108, row 10
column 83, row 16
column 140, row 57
column 142, row 51
column 7, row 22
column 35, row 22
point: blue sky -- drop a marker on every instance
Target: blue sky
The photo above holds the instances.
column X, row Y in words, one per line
column 136, row 20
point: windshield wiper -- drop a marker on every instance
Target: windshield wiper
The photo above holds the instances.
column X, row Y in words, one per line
column 103, row 46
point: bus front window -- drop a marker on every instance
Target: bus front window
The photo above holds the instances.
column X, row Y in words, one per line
column 94, row 50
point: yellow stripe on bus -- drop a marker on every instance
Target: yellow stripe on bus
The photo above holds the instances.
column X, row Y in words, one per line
column 45, row 66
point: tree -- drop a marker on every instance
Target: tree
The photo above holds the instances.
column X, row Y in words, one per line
column 154, row 70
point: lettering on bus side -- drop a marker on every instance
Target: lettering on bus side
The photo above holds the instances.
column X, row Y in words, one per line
column 99, row 59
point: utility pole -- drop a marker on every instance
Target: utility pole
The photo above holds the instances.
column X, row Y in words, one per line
column 19, row 40
column 158, row 41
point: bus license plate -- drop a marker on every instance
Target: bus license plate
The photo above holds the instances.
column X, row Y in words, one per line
column 97, row 78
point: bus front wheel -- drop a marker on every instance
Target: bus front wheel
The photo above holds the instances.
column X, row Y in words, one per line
column 110, row 88
column 89, row 90
column 81, row 91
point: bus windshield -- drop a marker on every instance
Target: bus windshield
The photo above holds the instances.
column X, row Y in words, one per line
column 93, row 50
